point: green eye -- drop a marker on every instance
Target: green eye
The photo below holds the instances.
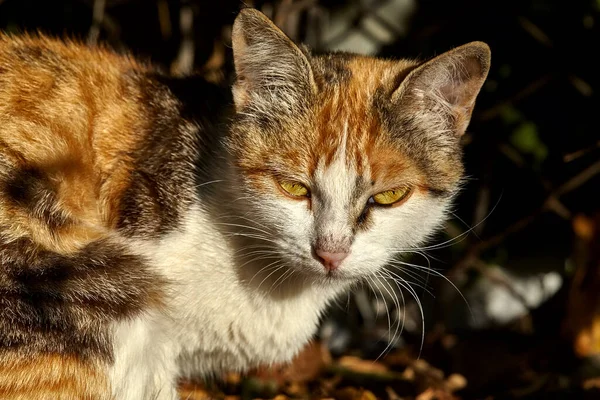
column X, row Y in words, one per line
column 390, row 197
column 294, row 188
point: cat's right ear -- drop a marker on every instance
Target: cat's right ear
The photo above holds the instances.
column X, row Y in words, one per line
column 270, row 68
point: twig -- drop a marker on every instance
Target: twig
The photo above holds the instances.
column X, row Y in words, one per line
column 576, row 154
column 164, row 19
column 473, row 254
column 512, row 154
column 535, row 31
column 97, row 20
column 317, row 18
column 530, row 89
column 578, row 179
column 184, row 63
column 581, row 85
column 287, row 16
column 553, row 203
column 481, row 209
column 364, row 308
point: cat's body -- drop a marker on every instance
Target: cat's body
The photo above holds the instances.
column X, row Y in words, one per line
column 141, row 242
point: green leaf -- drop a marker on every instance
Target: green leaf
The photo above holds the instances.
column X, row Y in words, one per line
column 526, row 139
column 510, row 115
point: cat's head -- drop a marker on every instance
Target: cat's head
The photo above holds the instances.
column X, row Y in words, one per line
column 346, row 161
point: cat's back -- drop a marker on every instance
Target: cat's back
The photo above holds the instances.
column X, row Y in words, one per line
column 65, row 111
column 46, row 82
column 93, row 150
column 76, row 124
column 41, row 55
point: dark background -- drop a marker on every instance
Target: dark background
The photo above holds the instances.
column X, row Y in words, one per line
column 531, row 203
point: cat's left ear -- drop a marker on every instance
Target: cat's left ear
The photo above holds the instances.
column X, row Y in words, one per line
column 270, row 68
column 445, row 88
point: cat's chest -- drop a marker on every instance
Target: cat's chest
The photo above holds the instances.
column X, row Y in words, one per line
column 232, row 335
column 215, row 322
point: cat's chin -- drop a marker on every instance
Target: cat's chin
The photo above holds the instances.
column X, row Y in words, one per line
column 341, row 275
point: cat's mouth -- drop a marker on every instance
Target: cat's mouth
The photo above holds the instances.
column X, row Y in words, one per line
column 341, row 274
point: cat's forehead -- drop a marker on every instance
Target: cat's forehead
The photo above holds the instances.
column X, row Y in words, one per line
column 337, row 70
column 348, row 123
column 342, row 130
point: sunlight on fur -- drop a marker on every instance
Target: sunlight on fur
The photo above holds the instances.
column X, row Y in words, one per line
column 164, row 239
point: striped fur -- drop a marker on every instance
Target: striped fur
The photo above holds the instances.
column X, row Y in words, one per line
column 144, row 235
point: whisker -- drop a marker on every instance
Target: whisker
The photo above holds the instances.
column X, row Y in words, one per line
column 389, row 320
column 432, row 270
column 244, row 227
column 427, row 257
column 375, row 294
column 418, row 302
column 259, row 259
column 269, row 266
column 283, row 277
column 210, row 182
column 453, row 240
column 253, row 236
column 412, row 274
column 428, row 275
column 244, row 218
column 280, row 266
column 255, row 246
column 464, row 223
column 259, row 252
column 394, row 298
column 394, row 276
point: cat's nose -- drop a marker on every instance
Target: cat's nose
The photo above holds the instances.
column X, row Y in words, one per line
column 331, row 260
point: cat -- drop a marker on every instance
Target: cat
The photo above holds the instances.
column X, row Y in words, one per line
column 143, row 240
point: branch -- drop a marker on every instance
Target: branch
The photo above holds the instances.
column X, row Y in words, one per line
column 97, row 20
column 472, row 255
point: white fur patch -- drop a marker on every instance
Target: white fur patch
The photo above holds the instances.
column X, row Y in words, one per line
column 214, row 321
column 245, row 288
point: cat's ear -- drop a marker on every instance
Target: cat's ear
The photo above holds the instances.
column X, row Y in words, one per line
column 268, row 65
column 444, row 89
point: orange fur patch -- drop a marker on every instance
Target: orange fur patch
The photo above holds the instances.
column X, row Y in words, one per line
column 51, row 377
column 78, row 143
column 347, row 112
column 344, row 115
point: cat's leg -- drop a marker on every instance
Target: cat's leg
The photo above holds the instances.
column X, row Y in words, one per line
column 144, row 361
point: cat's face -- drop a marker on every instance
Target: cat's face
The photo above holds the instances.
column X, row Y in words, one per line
column 348, row 161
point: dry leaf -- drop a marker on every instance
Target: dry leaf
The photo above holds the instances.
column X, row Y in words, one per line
column 190, row 391
column 456, row 382
column 306, row 366
column 362, row 366
column 435, row 394
column 367, row 395
column 392, row 395
column 584, row 227
column 351, row 393
column 592, row 383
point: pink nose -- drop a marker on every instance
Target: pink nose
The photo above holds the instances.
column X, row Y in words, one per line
column 331, row 261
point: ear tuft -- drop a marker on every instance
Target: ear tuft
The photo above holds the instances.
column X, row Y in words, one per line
column 448, row 84
column 270, row 68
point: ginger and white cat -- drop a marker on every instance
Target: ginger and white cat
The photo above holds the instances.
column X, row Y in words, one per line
column 141, row 242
